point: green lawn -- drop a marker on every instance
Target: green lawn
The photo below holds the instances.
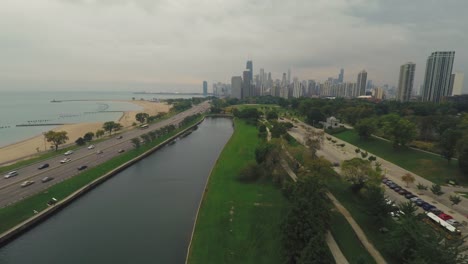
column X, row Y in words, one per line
column 238, row 222
column 21, row 211
column 347, row 240
column 431, row 167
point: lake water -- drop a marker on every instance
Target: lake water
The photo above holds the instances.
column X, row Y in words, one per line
column 144, row 214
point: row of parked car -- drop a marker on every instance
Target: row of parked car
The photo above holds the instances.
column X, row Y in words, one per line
column 418, row 201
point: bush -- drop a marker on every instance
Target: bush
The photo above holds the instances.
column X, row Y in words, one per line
column 250, row 173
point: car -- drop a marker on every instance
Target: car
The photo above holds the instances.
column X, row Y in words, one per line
column 46, row 179
column 427, row 206
column 445, row 217
column 397, row 189
column 52, row 202
column 10, row 174
column 99, row 152
column 26, row 183
column 402, row 191
column 384, row 180
column 65, row 160
column 91, row 147
column 453, row 222
column 82, row 167
column 436, row 211
column 409, row 195
column 68, row 153
column 43, row 166
column 414, row 199
column 420, row 203
column 119, row 137
column 121, row 150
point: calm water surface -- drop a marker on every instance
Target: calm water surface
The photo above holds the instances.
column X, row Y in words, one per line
column 144, row 214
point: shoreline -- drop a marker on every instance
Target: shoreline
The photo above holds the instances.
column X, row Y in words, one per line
column 30, row 147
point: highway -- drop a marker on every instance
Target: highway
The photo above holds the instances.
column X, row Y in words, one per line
column 12, row 192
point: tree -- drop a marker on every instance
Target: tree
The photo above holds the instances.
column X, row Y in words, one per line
column 448, row 142
column 401, row 131
column 436, row 189
column 376, row 205
column 146, row 138
column 56, row 138
column 80, row 141
column 455, row 199
column 88, row 136
column 358, row 172
column 462, row 148
column 314, row 140
column 316, row 252
column 99, row 133
column 314, row 116
column 408, row 178
column 365, row 127
column 111, row 126
column 135, row 142
column 141, row 117
column 272, row 115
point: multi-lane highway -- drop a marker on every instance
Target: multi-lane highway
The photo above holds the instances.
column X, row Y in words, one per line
column 11, row 190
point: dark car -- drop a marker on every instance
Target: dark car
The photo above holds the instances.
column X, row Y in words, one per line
column 409, row 195
column 82, row 167
column 119, row 137
column 420, row 203
column 121, row 150
column 397, row 189
column 384, row 180
column 43, row 166
column 435, row 211
column 427, row 206
column 393, row 186
column 402, row 191
column 46, row 179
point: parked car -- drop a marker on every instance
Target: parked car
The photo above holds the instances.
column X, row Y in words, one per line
column 121, row 150
column 119, row 137
column 436, row 211
column 82, row 167
column 409, row 195
column 99, row 152
column 397, row 189
column 10, row 174
column 414, row 199
column 445, row 217
column 427, row 206
column 46, row 179
column 453, row 222
column 384, row 180
column 91, row 147
column 26, row 183
column 419, row 202
column 43, row 166
column 65, row 160
column 68, row 153
column 393, row 186
column 402, row 191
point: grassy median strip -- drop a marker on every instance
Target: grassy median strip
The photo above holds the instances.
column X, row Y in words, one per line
column 24, row 209
column 238, row 222
column 347, row 240
column 429, row 166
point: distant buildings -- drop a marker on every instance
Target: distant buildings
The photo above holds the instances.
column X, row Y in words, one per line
column 246, row 84
column 405, row 82
column 361, row 82
column 437, row 77
column 249, row 67
column 341, row 76
column 236, row 87
column 456, row 83
column 205, row 88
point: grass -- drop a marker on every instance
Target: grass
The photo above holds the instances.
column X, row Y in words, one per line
column 21, row 211
column 238, row 222
column 347, row 240
column 429, row 166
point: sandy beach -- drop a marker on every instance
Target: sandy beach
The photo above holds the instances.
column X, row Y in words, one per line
column 35, row 145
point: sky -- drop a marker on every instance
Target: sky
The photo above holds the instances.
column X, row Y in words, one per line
column 173, row 45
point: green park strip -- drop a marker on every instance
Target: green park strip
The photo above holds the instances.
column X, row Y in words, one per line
column 429, row 166
column 355, row 205
column 347, row 240
column 21, row 211
column 238, row 222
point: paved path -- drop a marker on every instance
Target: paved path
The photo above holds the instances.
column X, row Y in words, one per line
column 335, row 249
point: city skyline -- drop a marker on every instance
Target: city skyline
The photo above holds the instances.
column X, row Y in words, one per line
column 128, row 45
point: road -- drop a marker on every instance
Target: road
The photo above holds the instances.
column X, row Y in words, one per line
column 11, row 191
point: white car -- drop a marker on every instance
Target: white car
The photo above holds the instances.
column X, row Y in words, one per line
column 11, row 174
column 90, row 146
column 26, row 183
column 68, row 153
column 65, row 160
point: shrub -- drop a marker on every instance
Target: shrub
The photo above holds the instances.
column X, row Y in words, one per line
column 250, row 173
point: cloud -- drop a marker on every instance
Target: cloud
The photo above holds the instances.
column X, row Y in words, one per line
column 184, row 42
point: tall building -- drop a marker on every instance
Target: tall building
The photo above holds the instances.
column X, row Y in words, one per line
column 297, row 89
column 456, row 83
column 236, row 87
column 438, row 74
column 341, row 76
column 246, row 84
column 289, row 76
column 250, row 67
column 284, row 81
column 205, row 88
column 405, row 82
column 361, row 82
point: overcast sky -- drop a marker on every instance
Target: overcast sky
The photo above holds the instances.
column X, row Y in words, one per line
column 176, row 44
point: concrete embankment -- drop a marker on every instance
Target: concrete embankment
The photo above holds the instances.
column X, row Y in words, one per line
column 31, row 222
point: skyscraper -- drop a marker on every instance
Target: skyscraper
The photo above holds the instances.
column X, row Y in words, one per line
column 438, row 74
column 205, row 88
column 361, row 82
column 246, row 84
column 341, row 76
column 236, row 87
column 405, row 82
column 250, row 67
column 289, row 76
column 456, row 83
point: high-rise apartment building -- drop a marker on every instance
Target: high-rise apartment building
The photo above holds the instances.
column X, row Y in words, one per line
column 341, row 76
column 361, row 82
column 437, row 77
column 249, row 66
column 246, row 84
column 405, row 81
column 456, row 83
column 205, row 88
column 289, row 76
column 236, row 87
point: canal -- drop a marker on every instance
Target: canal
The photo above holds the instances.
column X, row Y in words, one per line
column 144, row 214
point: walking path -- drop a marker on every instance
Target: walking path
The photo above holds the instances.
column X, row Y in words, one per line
column 335, row 249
